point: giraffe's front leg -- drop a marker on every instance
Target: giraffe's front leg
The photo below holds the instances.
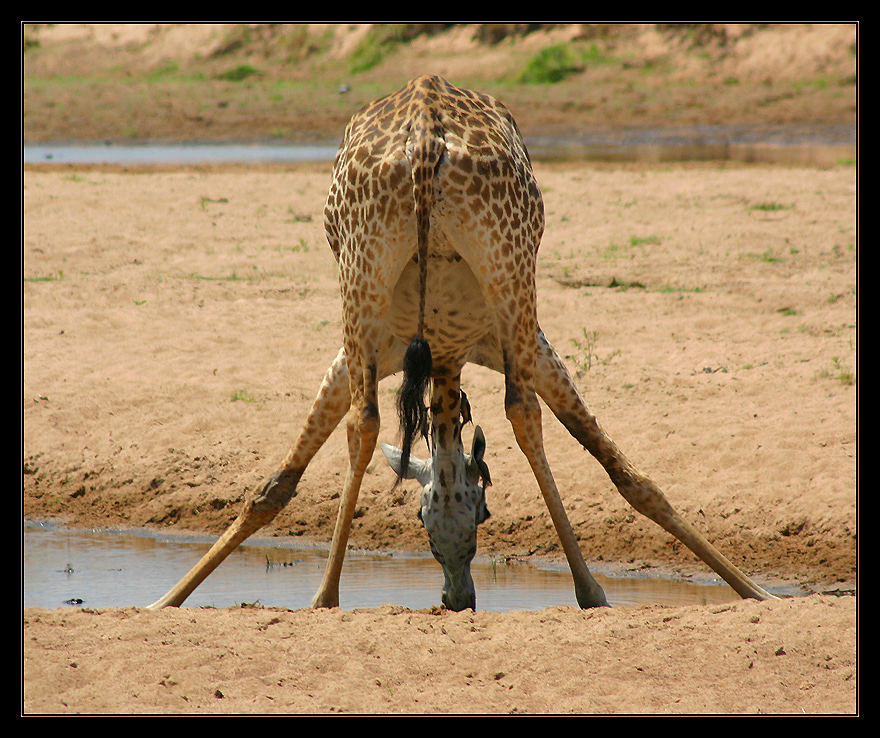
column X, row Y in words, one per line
column 363, row 431
column 327, row 410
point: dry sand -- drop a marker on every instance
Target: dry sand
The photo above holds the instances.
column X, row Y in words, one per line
column 177, row 324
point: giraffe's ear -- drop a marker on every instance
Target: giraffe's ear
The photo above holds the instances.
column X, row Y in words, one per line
column 416, row 469
column 477, row 468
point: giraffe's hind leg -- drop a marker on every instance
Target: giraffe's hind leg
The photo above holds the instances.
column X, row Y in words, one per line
column 556, row 387
column 327, row 410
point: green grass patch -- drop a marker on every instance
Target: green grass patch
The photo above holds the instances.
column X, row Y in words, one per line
column 614, row 250
column 230, row 278
column 378, row 42
column 239, row 73
column 839, row 372
column 555, row 63
column 770, row 207
column 51, row 278
column 164, row 72
column 644, row 240
column 205, row 200
column 616, row 284
column 670, row 289
column 242, row 396
column 768, row 257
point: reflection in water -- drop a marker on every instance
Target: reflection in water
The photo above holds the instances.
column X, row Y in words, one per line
column 121, row 569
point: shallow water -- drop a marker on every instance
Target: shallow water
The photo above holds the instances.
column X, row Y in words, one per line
column 64, row 567
column 815, row 145
column 175, row 153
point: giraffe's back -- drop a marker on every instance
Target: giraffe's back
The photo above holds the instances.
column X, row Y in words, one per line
column 485, row 210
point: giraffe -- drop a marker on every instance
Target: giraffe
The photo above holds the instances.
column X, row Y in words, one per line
column 434, row 217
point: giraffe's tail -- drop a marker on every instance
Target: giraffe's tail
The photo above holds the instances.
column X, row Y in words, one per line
column 424, row 155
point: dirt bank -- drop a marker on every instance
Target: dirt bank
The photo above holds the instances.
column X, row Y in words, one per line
column 301, row 82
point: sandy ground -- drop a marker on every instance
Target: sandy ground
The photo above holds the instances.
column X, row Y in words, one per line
column 177, row 324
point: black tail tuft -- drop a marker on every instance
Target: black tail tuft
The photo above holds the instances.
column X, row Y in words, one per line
column 411, row 407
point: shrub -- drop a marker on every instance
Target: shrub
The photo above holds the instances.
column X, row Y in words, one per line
column 552, row 64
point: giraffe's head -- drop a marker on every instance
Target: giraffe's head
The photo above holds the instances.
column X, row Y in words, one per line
column 453, row 504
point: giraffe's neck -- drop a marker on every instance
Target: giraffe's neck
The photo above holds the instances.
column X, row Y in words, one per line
column 447, row 452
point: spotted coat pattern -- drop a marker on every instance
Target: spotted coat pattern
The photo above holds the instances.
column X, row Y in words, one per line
column 435, row 218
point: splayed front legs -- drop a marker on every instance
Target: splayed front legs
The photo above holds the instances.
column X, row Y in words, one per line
column 257, row 512
column 328, row 409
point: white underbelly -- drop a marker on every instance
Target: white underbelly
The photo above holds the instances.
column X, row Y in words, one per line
column 456, row 315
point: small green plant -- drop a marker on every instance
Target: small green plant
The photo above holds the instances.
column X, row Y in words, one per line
column 839, row 372
column 242, row 396
column 205, row 200
column 586, row 350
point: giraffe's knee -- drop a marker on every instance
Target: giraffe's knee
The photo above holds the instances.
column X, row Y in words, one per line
column 364, row 420
column 520, row 405
column 276, row 493
column 645, row 497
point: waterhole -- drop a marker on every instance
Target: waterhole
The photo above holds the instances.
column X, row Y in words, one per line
column 100, row 569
